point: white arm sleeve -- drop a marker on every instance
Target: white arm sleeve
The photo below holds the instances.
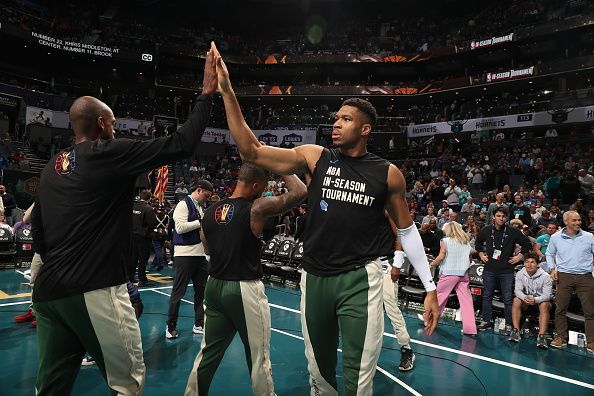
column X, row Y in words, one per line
column 413, row 247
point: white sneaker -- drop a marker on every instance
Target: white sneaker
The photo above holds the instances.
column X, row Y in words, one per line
column 170, row 332
column 88, row 361
column 198, row 329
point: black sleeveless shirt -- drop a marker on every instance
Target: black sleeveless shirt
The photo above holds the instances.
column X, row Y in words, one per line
column 234, row 250
column 346, row 201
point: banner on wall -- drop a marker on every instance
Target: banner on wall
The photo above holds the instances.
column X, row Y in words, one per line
column 278, row 138
column 59, row 119
column 543, row 118
column 509, row 74
column 37, row 115
column 476, row 44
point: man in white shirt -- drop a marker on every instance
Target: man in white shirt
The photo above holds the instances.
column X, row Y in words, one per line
column 189, row 257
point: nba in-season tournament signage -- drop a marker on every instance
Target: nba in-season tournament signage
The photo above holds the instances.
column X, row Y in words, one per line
column 509, row 74
column 542, row 118
column 476, row 44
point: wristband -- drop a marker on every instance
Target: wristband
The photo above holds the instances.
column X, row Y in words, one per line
column 398, row 259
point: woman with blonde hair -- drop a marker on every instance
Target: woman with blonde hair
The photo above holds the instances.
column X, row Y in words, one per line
column 454, row 257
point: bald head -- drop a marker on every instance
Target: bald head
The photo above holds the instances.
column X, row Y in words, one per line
column 91, row 118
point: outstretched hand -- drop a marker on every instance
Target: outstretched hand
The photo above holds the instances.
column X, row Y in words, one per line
column 431, row 314
column 222, row 72
column 210, row 80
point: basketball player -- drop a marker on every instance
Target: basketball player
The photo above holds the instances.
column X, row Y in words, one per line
column 82, row 215
column 234, row 296
column 341, row 285
column 391, row 265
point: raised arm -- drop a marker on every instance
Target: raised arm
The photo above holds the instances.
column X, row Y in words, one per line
column 266, row 207
column 412, row 244
column 301, row 159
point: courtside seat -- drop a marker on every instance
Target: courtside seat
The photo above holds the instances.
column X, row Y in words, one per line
column 24, row 248
column 7, row 250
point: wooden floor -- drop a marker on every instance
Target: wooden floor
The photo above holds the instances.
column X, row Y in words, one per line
column 446, row 363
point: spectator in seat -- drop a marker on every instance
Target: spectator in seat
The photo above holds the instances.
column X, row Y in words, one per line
column 520, row 211
column 8, row 203
column 443, row 218
column 454, row 261
column 453, row 194
column 4, row 225
column 499, row 203
column 542, row 242
column 526, row 231
column 533, row 293
column 430, row 236
column 444, row 208
column 586, row 185
column 181, row 189
column 430, row 216
column 558, row 217
column 543, row 221
column 469, row 206
column 569, row 255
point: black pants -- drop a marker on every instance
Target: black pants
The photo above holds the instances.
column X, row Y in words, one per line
column 186, row 268
column 141, row 250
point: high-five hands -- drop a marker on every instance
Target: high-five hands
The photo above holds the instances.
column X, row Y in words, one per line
column 222, row 72
column 210, row 80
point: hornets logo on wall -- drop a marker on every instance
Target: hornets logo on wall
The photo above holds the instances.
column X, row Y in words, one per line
column 224, row 214
column 65, row 163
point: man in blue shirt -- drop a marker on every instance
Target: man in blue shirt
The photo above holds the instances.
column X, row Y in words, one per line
column 570, row 254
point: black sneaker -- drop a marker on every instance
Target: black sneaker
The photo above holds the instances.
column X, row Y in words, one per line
column 483, row 326
column 508, row 330
column 407, row 361
column 514, row 336
column 541, row 342
column 170, row 331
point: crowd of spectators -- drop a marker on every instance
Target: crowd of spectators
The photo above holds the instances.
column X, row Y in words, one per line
column 536, row 183
column 336, row 30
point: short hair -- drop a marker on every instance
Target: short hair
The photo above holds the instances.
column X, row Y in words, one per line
column 145, row 195
column 249, row 173
column 499, row 209
column 532, row 256
column 568, row 213
column 363, row 106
